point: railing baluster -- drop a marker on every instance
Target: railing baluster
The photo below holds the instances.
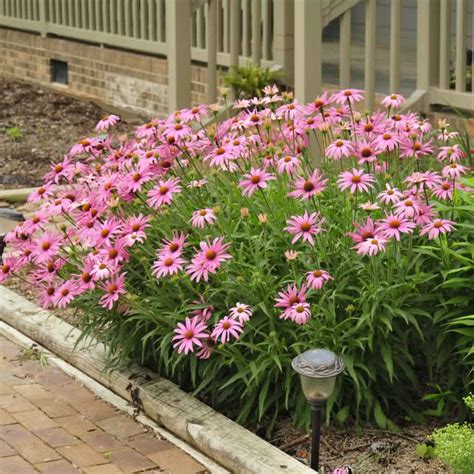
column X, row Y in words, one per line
column 63, row 12
column 220, row 25
column 143, row 22
column 256, row 32
column 200, row 31
column 113, row 16
column 126, row 16
column 193, row 29
column 77, row 14
column 70, row 13
column 57, row 11
column 245, row 29
column 370, row 41
column 267, row 30
column 395, row 15
column 308, row 49
column 85, row 16
column 234, row 46
column 92, row 15
column 345, row 50
column 29, row 8
column 178, row 41
column 35, row 10
column 152, row 19
column 98, row 17
column 159, row 23
column 135, row 13
column 211, row 30
column 225, row 24
column 444, row 43
column 461, row 43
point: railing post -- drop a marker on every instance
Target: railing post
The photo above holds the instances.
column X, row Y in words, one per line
column 235, row 37
column 427, row 44
column 284, row 37
column 395, row 15
column 178, row 43
column 211, row 43
column 42, row 17
column 308, row 44
column 370, row 51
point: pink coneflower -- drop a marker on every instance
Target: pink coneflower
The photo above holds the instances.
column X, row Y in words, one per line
column 369, row 206
column 356, row 180
column 393, row 101
column 393, row 226
column 65, row 169
column 175, row 245
column 134, row 229
column 113, row 288
column 202, row 217
column 204, row 313
column 453, row 171
column 288, row 164
column 444, row 191
column 225, row 328
column 287, row 298
column 348, row 95
column 366, row 153
column 317, row 278
column 106, row 122
column 408, row 208
column 437, row 227
column 363, row 231
column 340, row 149
column 64, row 294
column 106, row 231
column 197, row 113
column 425, row 215
column 256, row 179
column 451, row 153
column 299, row 313
column 371, row 246
column 208, row 259
column 304, row 226
column 291, row 255
column 47, row 295
column 197, row 183
column 241, row 312
column 162, row 193
column 46, row 247
column 386, row 142
column 390, row 195
column 167, row 264
column 206, row 350
column 102, row 269
column 43, row 192
column 7, row 267
column 306, row 188
column 189, row 334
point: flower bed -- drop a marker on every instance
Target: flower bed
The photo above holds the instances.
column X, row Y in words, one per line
column 215, row 254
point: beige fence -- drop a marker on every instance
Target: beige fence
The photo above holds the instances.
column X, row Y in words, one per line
column 283, row 33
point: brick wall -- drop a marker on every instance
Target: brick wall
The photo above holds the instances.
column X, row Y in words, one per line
column 124, row 80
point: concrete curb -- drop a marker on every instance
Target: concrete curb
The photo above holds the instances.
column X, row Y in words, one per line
column 223, row 440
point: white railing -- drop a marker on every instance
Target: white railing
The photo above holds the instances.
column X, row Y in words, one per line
column 283, row 33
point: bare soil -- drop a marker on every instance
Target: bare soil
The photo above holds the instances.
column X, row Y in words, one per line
column 49, row 124
column 38, row 127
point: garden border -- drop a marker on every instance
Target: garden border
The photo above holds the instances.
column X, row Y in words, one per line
column 212, row 433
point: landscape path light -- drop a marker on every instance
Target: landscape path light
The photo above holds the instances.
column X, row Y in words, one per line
column 318, row 369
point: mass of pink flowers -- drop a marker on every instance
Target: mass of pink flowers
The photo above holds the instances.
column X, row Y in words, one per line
column 103, row 201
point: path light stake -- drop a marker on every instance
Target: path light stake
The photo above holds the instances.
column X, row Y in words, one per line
column 318, row 369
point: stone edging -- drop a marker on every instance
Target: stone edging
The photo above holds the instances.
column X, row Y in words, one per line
column 223, row 440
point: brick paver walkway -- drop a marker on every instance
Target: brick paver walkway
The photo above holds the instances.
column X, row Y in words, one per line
column 49, row 423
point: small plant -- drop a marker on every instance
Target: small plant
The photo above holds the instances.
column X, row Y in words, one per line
column 454, row 444
column 14, row 133
column 250, row 80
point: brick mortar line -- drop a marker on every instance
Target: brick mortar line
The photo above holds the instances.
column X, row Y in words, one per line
column 108, row 396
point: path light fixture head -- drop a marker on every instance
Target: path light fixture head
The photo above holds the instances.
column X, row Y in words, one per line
column 318, row 369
